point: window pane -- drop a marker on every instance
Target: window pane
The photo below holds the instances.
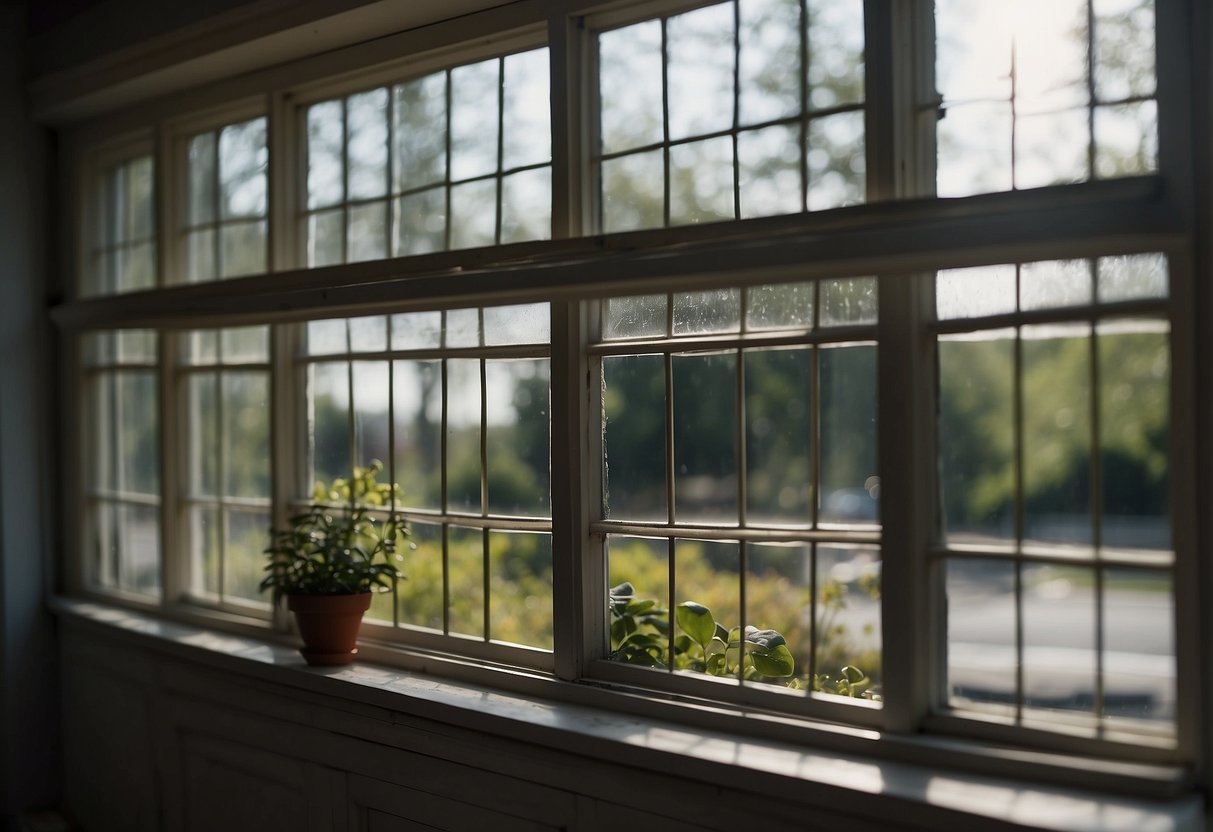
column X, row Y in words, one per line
column 708, row 573
column 416, row 330
column 520, row 588
column 200, row 256
column 325, row 154
column 848, row 301
column 640, row 619
column 205, row 553
column 699, row 49
column 243, row 247
column 463, row 435
column 849, row 477
column 419, row 132
column 137, row 267
column 705, row 438
column 703, row 313
column 635, row 317
column 701, row 181
column 780, row 306
column 326, row 238
column 526, row 206
column 367, row 232
column 474, row 108
column 779, row 597
column 139, row 204
column 243, row 158
column 974, row 293
column 139, row 548
column 635, row 119
column 371, row 387
column 977, row 435
column 633, row 192
column 244, row 559
column 462, row 328
column 203, row 409
column 474, row 214
column 418, row 412
column 634, row 437
column 769, row 66
column 368, row 334
column 836, row 53
column 1139, row 660
column 201, row 347
column 200, row 207
column 246, row 434
column 420, row 223
column 137, row 423
column 245, row 345
column 1051, row 149
column 779, row 426
column 524, row 324
column 517, row 417
column 982, row 653
column 1133, row 276
column 847, row 611
column 1135, row 436
column 526, row 137
column 421, row 597
column 1126, row 139
column 1059, row 638
column 1124, row 49
column 465, row 556
column 769, row 171
column 974, row 149
column 366, row 125
column 329, row 423
column 327, row 337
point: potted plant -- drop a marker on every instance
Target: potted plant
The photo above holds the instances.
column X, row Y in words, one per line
column 330, row 560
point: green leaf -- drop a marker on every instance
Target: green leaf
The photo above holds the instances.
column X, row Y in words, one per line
column 777, row 663
column 696, row 621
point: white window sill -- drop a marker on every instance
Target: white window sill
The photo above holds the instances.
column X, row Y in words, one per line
column 858, row 785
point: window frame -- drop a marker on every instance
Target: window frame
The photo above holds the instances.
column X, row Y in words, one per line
column 1141, row 214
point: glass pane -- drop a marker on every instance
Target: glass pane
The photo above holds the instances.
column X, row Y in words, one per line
column 633, row 409
column 463, row 435
column 137, row 404
column 779, row 598
column 421, row 596
column 779, row 306
column 707, row 573
column 367, row 238
column 139, row 545
column 200, row 206
column 769, row 60
column 701, row 181
column 702, row 313
column 526, row 137
column 140, row 205
column 769, row 171
column 137, row 266
column 244, row 560
column 419, row 132
column 465, row 557
column 836, row 50
column 526, row 206
column 474, row 110
column 640, row 620
column 633, row 192
column 848, row 620
column 417, row 387
column 1051, row 149
column 1124, row 49
column 246, row 345
column 136, row 346
column 366, row 125
column 416, row 330
column 699, row 51
column 1135, row 434
column 837, row 168
column 1059, row 638
column 981, row 632
column 1054, row 283
column 204, row 534
column 201, row 347
column 850, row 483
column 243, row 159
column 524, row 324
column 1056, row 365
column 203, row 409
column 368, row 334
column 1132, row 276
column 974, row 150
column 1126, row 139
column 474, row 214
column 518, row 425
column 1050, row 55
column 848, row 301
column 371, row 412
column 779, row 428
column 326, row 238
column 520, row 588
column 973, row 43
column 243, row 247
column 635, row 317
column 246, row 435
column 462, row 328
column 977, row 435
column 419, row 223
column 329, row 422
column 974, row 293
column 1139, row 644
column 200, row 256
column 327, row 337
column 325, row 162
column 705, row 438
column 633, row 119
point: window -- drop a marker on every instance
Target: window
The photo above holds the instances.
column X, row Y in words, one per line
column 916, row 459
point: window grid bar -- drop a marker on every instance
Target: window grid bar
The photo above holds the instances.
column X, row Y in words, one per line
column 1143, row 308
column 444, row 499
column 803, row 125
column 1014, row 101
column 1091, row 89
column 506, row 351
column 499, row 175
column 216, row 205
column 736, row 121
column 221, row 473
column 759, row 534
column 1083, row 556
column 742, row 545
column 665, row 123
column 486, row 586
column 671, row 544
column 1017, row 410
column 840, row 336
column 446, row 231
column 1094, row 401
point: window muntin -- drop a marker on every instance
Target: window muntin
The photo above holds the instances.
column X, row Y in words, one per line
column 225, row 505
column 122, row 472
column 224, row 224
column 741, row 109
column 455, row 159
column 739, row 472
column 1054, row 443
column 455, row 403
column 1044, row 92
column 122, row 242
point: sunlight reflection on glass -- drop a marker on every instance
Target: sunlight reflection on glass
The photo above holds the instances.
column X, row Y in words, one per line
column 699, row 69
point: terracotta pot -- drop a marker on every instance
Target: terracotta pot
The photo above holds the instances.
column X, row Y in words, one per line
column 329, row 626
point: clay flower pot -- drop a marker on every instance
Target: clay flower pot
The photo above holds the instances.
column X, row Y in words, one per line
column 329, row 626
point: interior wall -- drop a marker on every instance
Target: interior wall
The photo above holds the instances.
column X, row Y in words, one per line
column 29, row 699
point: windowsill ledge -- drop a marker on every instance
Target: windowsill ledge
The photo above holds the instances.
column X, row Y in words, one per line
column 858, row 785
